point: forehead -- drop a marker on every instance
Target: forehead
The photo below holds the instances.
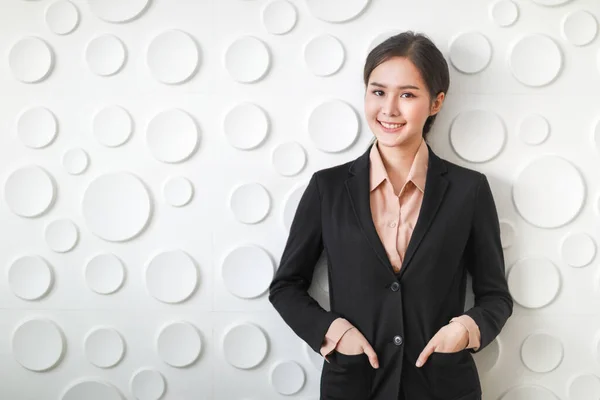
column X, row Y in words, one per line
column 397, row 71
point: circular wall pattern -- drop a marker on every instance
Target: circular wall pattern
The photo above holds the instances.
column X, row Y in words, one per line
column 172, row 136
column 291, row 204
column 333, row 116
column 549, row 192
column 596, row 135
column 62, row 17
column 534, row 282
column 246, row 126
column 250, row 203
column 37, row 127
column 116, row 206
column 529, row 392
column 75, row 161
column 117, row 10
column 178, row 191
column 541, row 352
column 91, row 390
column 112, row 126
column 173, row 57
column 336, row 10
column 580, row 27
column 313, row 357
column 104, row 273
column 324, row 55
column 534, row 129
column 487, row 359
column 171, row 276
column 578, row 250
column 104, row 347
column 179, row 344
column 551, row 3
column 507, row 233
column 247, row 271
column 30, row 277
column 470, row 52
column 31, row 59
column 33, row 353
column 585, row 386
column 29, row 191
column 279, row 17
column 245, row 346
column 504, row 12
column 148, row 384
column 477, row 135
column 287, row 377
column 247, row 59
column 61, row 235
column 289, row 158
column 105, row 55
column 535, row 60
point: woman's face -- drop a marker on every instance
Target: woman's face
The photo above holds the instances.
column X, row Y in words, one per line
column 397, row 103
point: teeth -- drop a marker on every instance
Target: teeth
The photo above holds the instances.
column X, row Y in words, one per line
column 391, row 126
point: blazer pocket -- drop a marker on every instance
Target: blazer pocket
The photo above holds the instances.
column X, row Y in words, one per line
column 346, row 377
column 452, row 375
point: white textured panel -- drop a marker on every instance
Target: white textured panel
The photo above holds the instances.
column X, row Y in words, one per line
column 148, row 384
column 324, row 55
column 504, row 12
column 104, row 347
column 279, row 17
column 178, row 191
column 246, row 126
column 534, row 129
column 112, row 126
column 580, row 27
column 507, row 233
column 289, row 158
column 315, row 359
column 535, row 60
column 529, row 392
column 37, row 127
column 29, row 191
column 75, row 161
column 336, row 10
column 117, row 10
column 173, row 57
column 477, row 135
column 247, row 271
column 470, row 52
column 578, row 249
column 105, row 55
column 245, row 346
column 247, row 59
column 250, row 203
column 487, row 358
column 179, row 344
column 287, row 377
column 104, row 273
column 333, row 116
column 31, row 59
column 33, row 353
column 534, row 282
column 30, row 277
column 542, row 352
column 91, row 390
column 585, row 386
column 551, row 3
column 172, row 136
column 61, row 235
column 171, row 276
column 596, row 135
column 62, row 17
column 291, row 204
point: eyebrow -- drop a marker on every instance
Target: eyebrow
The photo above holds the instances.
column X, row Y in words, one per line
column 402, row 87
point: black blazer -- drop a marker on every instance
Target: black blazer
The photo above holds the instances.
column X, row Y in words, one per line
column 457, row 231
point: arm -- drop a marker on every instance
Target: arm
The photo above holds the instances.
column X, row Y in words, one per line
column 493, row 302
column 288, row 290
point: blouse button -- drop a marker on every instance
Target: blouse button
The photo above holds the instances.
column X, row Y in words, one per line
column 392, row 225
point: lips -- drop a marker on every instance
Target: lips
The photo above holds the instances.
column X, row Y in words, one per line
column 390, row 127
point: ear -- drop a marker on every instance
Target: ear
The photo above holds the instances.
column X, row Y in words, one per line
column 436, row 105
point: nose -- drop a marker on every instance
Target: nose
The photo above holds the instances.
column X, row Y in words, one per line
column 390, row 107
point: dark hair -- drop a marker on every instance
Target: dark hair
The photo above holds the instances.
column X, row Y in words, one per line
column 423, row 53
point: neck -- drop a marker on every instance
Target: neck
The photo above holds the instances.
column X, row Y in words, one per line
column 398, row 159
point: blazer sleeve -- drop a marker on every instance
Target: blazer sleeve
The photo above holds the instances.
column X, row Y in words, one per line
column 288, row 292
column 485, row 261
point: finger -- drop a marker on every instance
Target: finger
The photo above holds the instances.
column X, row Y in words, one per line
column 425, row 355
column 370, row 352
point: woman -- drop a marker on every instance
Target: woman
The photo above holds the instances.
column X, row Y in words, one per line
column 401, row 227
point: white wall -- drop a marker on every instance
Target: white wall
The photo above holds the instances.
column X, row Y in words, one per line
column 133, row 275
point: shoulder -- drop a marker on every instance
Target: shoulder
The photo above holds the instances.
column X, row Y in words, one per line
column 336, row 173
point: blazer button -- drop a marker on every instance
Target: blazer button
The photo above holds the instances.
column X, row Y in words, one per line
column 395, row 286
column 397, row 340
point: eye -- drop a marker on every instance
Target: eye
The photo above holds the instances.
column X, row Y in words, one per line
column 408, row 95
column 376, row 92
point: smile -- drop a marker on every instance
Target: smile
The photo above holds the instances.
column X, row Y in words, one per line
column 388, row 126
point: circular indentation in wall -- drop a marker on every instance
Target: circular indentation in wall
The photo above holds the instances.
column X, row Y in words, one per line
column 534, row 129
column 291, row 204
column 279, row 17
column 105, row 55
column 529, row 392
column 171, row 276
column 596, row 135
column 245, row 346
column 246, row 126
column 584, row 386
column 33, row 353
column 179, row 344
column 92, row 390
column 61, row 235
column 30, row 277
column 29, row 191
column 470, row 52
column 247, row 59
column 549, row 192
column 148, row 384
column 172, row 136
column 30, row 59
column 504, row 12
column 287, row 377
column 336, row 10
column 541, row 352
column 578, row 249
column 534, row 282
column 173, row 57
column 507, row 233
column 117, row 10
column 112, row 126
column 535, row 60
column 250, row 203
column 104, row 273
column 333, row 116
column 580, row 27
column 116, row 206
column 62, row 17
column 247, row 271
column 477, row 135
column 104, row 347
column 324, row 55
column 315, row 358
column 37, row 127
column 551, row 3
column 178, row 191
column 75, row 161
column 488, row 357
column 289, row 158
